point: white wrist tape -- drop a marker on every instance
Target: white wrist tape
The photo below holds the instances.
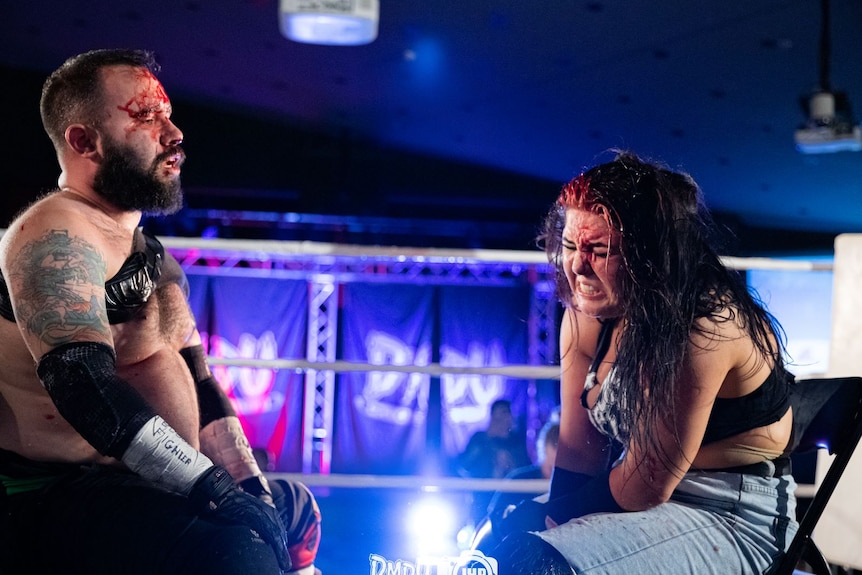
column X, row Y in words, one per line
column 159, row 454
column 224, row 440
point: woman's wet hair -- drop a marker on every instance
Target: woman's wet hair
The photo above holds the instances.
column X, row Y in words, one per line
column 670, row 277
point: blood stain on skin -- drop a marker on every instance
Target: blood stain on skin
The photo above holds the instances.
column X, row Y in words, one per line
column 151, row 95
column 150, row 98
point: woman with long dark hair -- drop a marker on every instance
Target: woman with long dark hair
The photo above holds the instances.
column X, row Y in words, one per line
column 675, row 398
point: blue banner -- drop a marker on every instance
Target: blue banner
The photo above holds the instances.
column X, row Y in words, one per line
column 380, row 423
column 481, row 327
column 258, row 318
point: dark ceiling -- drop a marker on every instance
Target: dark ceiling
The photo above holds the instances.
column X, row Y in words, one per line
column 459, row 123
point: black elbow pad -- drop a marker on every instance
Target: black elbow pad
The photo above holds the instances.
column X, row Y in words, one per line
column 82, row 381
column 212, row 401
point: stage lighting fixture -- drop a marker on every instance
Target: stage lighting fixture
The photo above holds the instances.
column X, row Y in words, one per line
column 829, row 126
column 329, row 22
column 828, row 130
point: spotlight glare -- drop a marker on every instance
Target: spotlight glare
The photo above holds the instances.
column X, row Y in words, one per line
column 431, row 524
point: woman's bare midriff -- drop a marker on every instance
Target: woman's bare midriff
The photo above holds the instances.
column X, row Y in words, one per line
column 752, row 446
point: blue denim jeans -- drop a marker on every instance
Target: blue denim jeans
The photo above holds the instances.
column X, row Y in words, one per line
column 715, row 523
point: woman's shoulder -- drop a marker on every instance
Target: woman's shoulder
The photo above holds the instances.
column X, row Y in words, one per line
column 580, row 338
column 724, row 341
column 580, row 330
column 724, row 321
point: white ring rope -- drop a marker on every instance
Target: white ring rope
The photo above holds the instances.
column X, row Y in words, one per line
column 426, row 484
column 435, row 369
column 439, row 484
column 318, row 249
column 265, row 249
column 269, row 248
column 738, row 263
column 429, row 484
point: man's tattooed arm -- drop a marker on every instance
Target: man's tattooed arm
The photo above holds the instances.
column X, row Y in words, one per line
column 60, row 282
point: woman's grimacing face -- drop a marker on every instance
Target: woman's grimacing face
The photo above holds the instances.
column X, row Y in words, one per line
column 591, row 261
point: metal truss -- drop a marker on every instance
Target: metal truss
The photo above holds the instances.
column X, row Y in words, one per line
column 302, row 260
column 326, row 266
column 542, row 341
column 317, row 421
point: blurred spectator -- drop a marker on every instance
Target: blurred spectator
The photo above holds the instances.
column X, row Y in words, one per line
column 546, row 451
column 496, row 451
column 493, row 453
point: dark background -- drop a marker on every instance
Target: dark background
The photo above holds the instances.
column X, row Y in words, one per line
column 458, row 125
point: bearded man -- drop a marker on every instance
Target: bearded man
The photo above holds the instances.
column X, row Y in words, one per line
column 119, row 452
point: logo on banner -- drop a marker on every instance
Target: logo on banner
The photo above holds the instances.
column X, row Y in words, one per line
column 391, row 396
column 468, row 397
column 469, row 563
column 249, row 387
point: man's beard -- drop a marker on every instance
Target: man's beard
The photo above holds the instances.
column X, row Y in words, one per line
column 125, row 183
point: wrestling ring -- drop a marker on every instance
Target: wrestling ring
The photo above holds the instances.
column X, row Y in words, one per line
column 325, row 267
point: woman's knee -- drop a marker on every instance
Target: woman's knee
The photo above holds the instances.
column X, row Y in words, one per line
column 525, row 553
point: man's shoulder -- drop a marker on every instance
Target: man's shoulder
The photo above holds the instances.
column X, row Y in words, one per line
column 57, row 223
column 51, row 210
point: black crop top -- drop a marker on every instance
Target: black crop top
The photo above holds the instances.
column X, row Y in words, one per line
column 763, row 406
column 131, row 287
column 730, row 416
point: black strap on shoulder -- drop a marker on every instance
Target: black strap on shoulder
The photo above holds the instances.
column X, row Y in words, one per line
column 602, row 346
column 136, row 280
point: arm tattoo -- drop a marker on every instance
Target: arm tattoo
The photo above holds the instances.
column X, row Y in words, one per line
column 62, row 296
